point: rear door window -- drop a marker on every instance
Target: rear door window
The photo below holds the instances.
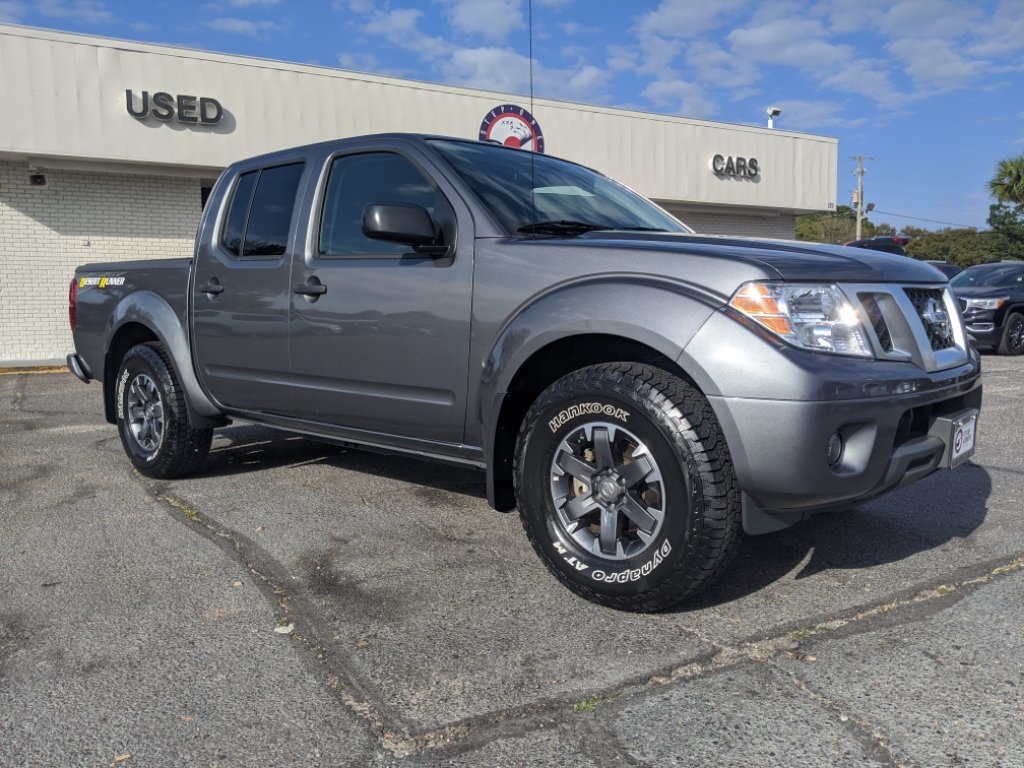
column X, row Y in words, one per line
column 259, row 219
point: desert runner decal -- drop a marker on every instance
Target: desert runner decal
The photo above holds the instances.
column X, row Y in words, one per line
column 100, row 282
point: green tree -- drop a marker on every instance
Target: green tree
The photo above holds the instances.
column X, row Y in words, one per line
column 1007, row 185
column 963, row 247
column 1007, row 223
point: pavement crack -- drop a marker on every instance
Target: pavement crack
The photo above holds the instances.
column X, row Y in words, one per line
column 598, row 742
column 401, row 739
column 875, row 742
column 272, row 580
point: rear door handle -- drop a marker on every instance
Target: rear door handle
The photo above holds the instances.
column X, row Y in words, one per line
column 311, row 289
column 212, row 287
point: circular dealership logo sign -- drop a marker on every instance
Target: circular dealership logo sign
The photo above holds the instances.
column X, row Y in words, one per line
column 512, row 126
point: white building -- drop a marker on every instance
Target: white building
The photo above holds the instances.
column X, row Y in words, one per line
column 107, row 149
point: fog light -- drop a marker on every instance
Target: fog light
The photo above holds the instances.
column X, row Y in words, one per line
column 834, row 453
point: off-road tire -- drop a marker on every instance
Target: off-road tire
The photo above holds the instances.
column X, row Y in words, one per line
column 179, row 448
column 700, row 523
column 1012, row 342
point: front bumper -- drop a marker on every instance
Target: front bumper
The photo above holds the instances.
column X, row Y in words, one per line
column 779, row 447
column 985, row 326
column 986, row 334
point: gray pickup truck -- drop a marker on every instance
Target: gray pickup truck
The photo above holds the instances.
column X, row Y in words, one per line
column 641, row 393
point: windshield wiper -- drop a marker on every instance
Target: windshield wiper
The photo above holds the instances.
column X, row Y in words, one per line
column 560, row 227
column 637, row 229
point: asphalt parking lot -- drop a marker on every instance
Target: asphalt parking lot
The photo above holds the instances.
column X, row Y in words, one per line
column 302, row 604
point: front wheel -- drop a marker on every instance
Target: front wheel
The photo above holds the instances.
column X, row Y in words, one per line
column 625, row 486
column 152, row 417
column 1012, row 342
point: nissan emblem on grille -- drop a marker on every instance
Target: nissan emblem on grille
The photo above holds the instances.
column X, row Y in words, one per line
column 931, row 308
column 937, row 320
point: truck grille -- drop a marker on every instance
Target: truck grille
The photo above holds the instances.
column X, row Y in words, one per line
column 931, row 309
column 877, row 320
column 912, row 323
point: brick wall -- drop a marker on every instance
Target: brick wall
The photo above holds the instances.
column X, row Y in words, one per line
column 781, row 226
column 78, row 217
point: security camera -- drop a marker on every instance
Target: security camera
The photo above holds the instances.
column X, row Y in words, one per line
column 774, row 111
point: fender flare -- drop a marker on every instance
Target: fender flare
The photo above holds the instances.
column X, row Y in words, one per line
column 656, row 312
column 150, row 310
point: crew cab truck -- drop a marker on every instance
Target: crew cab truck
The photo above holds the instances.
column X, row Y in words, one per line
column 641, row 393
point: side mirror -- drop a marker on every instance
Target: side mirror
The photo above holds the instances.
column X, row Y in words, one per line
column 399, row 223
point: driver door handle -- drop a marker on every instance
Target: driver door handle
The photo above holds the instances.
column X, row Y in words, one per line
column 311, row 289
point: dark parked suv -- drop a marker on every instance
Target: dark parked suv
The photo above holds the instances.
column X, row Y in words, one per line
column 887, row 243
column 991, row 299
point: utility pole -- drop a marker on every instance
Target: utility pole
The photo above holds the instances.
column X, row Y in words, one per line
column 858, row 203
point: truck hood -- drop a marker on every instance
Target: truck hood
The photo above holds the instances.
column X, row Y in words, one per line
column 982, row 291
column 785, row 259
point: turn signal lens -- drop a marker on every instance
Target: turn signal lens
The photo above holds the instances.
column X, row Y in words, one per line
column 756, row 301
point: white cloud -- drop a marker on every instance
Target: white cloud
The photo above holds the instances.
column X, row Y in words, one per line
column 716, row 65
column 866, row 77
column 11, row 12
column 496, row 69
column 1004, row 34
column 361, row 62
column 573, row 28
column 489, row 19
column 355, row 6
column 810, row 115
column 503, row 69
column 89, row 11
column 621, row 58
column 682, row 97
column 241, row 26
column 685, row 18
column 587, row 83
column 555, row 4
column 845, row 17
column 657, row 56
column 400, row 27
column 930, row 18
column 796, row 42
column 934, row 63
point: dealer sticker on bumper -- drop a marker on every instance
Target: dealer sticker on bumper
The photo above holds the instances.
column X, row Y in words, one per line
column 961, row 445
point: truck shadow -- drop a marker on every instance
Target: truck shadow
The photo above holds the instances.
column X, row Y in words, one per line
column 946, row 506
column 251, row 448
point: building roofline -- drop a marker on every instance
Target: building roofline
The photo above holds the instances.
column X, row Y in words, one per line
column 39, row 33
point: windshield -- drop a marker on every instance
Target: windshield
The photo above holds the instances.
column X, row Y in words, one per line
column 990, row 276
column 567, row 199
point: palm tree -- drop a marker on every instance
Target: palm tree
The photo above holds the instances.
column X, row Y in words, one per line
column 1007, row 186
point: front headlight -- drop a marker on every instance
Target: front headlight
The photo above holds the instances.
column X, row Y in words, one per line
column 986, row 303
column 817, row 317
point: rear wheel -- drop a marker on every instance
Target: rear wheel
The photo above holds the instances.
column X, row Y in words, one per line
column 626, row 488
column 152, row 418
column 1013, row 336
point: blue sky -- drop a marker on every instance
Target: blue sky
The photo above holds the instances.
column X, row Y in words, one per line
column 933, row 90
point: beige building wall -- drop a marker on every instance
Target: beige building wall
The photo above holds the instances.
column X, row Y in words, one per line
column 122, row 188
column 76, row 218
column 270, row 105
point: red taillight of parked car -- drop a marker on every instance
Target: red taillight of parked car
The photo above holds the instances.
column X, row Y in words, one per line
column 73, row 304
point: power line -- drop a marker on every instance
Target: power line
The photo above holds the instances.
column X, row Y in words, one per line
column 930, row 221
